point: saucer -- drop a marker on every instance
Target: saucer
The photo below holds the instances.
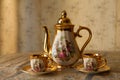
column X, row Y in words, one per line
column 103, row 69
column 27, row 69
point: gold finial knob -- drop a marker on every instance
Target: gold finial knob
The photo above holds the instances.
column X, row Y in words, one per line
column 64, row 19
column 64, row 14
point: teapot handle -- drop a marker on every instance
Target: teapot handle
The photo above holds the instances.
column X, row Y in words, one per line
column 89, row 38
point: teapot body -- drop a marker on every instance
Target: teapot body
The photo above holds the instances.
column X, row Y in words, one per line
column 65, row 50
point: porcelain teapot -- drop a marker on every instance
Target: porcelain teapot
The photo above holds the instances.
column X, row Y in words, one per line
column 65, row 50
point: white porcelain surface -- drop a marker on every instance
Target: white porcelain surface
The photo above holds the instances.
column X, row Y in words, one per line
column 37, row 65
column 90, row 64
column 64, row 49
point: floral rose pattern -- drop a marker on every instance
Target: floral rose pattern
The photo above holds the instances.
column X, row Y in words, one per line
column 64, row 49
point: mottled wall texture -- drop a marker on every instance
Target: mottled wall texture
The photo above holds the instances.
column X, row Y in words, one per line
column 21, row 23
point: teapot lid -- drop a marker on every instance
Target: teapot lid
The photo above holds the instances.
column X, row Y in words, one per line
column 64, row 22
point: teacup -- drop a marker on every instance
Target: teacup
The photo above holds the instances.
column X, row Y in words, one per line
column 92, row 62
column 38, row 63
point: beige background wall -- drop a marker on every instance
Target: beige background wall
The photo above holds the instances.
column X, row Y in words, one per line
column 118, row 26
column 21, row 23
column 8, row 26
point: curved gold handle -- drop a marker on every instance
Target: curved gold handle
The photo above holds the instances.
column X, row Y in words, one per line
column 89, row 38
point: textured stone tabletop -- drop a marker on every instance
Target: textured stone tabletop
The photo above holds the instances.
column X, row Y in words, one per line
column 10, row 65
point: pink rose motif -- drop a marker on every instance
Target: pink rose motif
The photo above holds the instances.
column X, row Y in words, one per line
column 62, row 55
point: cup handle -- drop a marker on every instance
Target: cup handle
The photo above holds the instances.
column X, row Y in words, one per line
column 104, row 63
column 78, row 35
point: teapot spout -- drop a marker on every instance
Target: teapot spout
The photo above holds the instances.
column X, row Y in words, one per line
column 46, row 40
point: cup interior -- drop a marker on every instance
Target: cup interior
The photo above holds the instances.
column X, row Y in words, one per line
column 88, row 55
